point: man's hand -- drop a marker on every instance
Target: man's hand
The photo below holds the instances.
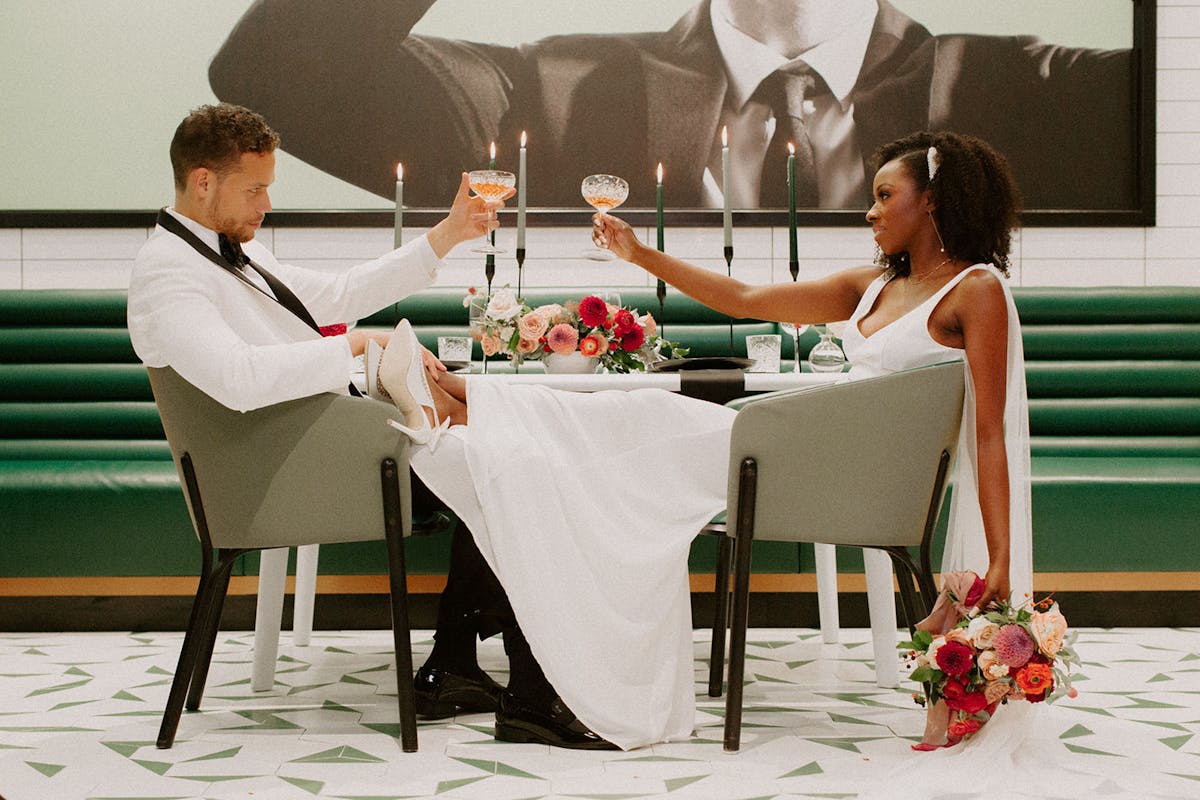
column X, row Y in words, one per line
column 468, row 219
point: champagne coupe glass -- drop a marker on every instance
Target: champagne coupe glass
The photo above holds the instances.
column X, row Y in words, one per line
column 603, row 193
column 492, row 185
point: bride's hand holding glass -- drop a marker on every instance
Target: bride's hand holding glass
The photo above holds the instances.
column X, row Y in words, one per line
column 615, row 234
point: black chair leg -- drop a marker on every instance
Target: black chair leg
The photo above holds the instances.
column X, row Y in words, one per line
column 397, row 583
column 211, row 626
column 187, row 661
column 720, row 626
column 747, row 485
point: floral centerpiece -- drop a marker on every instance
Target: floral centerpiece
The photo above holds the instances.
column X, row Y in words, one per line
column 618, row 337
column 971, row 661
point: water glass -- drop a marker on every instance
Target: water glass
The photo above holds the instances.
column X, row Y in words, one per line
column 454, row 348
column 763, row 349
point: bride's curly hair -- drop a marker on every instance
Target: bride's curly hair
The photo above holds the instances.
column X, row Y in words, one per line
column 976, row 199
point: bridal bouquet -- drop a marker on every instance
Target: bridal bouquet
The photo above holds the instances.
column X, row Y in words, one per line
column 619, row 337
column 971, row 660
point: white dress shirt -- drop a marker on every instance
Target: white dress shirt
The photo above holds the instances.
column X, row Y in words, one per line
column 841, row 180
column 237, row 344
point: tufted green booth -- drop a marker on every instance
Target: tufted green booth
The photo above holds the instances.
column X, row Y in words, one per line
column 86, row 479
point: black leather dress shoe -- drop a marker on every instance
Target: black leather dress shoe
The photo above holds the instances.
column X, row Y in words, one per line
column 519, row 721
column 442, row 694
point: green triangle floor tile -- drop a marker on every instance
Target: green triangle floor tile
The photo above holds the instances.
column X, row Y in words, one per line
column 157, row 670
column 157, row 767
column 858, row 698
column 49, row 770
column 1142, row 702
column 354, row 680
column 797, row 664
column 62, row 687
column 1159, row 678
column 263, row 720
column 312, row 787
column 1077, row 748
column 1184, row 776
column 1104, row 712
column 851, row 720
column 1077, row 730
column 831, row 795
column 339, row 755
column 126, row 749
column 329, row 705
column 843, row 742
column 230, row 753
column 308, row 687
column 33, row 651
column 1172, row 726
column 46, row 729
column 221, row 778
column 71, row 704
column 811, row 768
column 139, row 656
column 1176, row 742
column 445, row 786
column 769, row 679
column 124, row 695
column 1191, row 657
column 339, row 651
column 78, row 671
column 678, row 783
column 497, row 768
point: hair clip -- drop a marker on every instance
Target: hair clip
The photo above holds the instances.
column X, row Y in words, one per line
column 934, row 160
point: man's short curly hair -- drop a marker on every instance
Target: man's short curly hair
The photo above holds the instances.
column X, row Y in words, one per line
column 215, row 136
column 975, row 197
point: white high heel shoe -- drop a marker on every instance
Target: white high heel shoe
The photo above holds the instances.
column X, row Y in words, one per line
column 402, row 376
column 371, row 361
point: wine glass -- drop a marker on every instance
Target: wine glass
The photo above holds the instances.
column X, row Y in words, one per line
column 493, row 185
column 603, row 193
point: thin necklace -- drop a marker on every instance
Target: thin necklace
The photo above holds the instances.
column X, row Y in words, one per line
column 930, row 273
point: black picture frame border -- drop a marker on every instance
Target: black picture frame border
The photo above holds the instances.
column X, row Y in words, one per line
column 1145, row 44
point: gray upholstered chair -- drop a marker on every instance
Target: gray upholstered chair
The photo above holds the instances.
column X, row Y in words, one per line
column 862, row 463
column 317, row 470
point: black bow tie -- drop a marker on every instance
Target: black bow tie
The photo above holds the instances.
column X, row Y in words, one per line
column 231, row 251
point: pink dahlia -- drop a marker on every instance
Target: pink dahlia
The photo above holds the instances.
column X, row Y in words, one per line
column 1013, row 645
column 562, row 339
column 593, row 311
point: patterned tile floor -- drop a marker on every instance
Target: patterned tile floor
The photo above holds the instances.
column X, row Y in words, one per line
column 79, row 714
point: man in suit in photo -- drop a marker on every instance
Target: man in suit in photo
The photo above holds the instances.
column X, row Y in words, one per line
column 854, row 74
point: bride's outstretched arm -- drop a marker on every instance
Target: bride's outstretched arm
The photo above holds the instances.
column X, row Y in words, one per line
column 827, row 300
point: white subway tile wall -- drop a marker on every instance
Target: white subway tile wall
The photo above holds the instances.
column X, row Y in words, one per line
column 1169, row 254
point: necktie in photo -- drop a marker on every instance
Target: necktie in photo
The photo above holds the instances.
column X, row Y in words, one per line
column 785, row 92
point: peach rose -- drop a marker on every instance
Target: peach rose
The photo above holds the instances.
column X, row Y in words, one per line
column 995, row 691
column 934, row 646
column 958, row 635
column 533, row 325
column 649, row 324
column 1048, row 628
column 490, row 345
column 991, row 666
column 527, row 346
column 982, row 630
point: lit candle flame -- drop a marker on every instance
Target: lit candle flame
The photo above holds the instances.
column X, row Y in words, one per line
column 492, row 153
column 522, row 139
column 660, row 172
column 791, row 149
column 399, row 172
column 724, row 136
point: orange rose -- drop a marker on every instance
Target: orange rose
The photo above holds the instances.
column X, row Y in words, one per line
column 1048, row 628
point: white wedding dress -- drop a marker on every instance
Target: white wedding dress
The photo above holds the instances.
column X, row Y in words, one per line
column 585, row 506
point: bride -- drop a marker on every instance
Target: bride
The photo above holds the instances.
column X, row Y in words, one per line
column 585, row 505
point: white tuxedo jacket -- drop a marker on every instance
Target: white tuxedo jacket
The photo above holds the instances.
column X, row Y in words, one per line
column 240, row 346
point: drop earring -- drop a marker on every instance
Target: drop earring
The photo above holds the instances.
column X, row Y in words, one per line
column 936, row 232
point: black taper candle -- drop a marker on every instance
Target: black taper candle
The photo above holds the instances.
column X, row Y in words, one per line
column 729, row 272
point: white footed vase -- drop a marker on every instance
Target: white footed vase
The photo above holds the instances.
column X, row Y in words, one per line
column 574, row 364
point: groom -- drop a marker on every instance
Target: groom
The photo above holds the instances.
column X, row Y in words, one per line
column 236, row 335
